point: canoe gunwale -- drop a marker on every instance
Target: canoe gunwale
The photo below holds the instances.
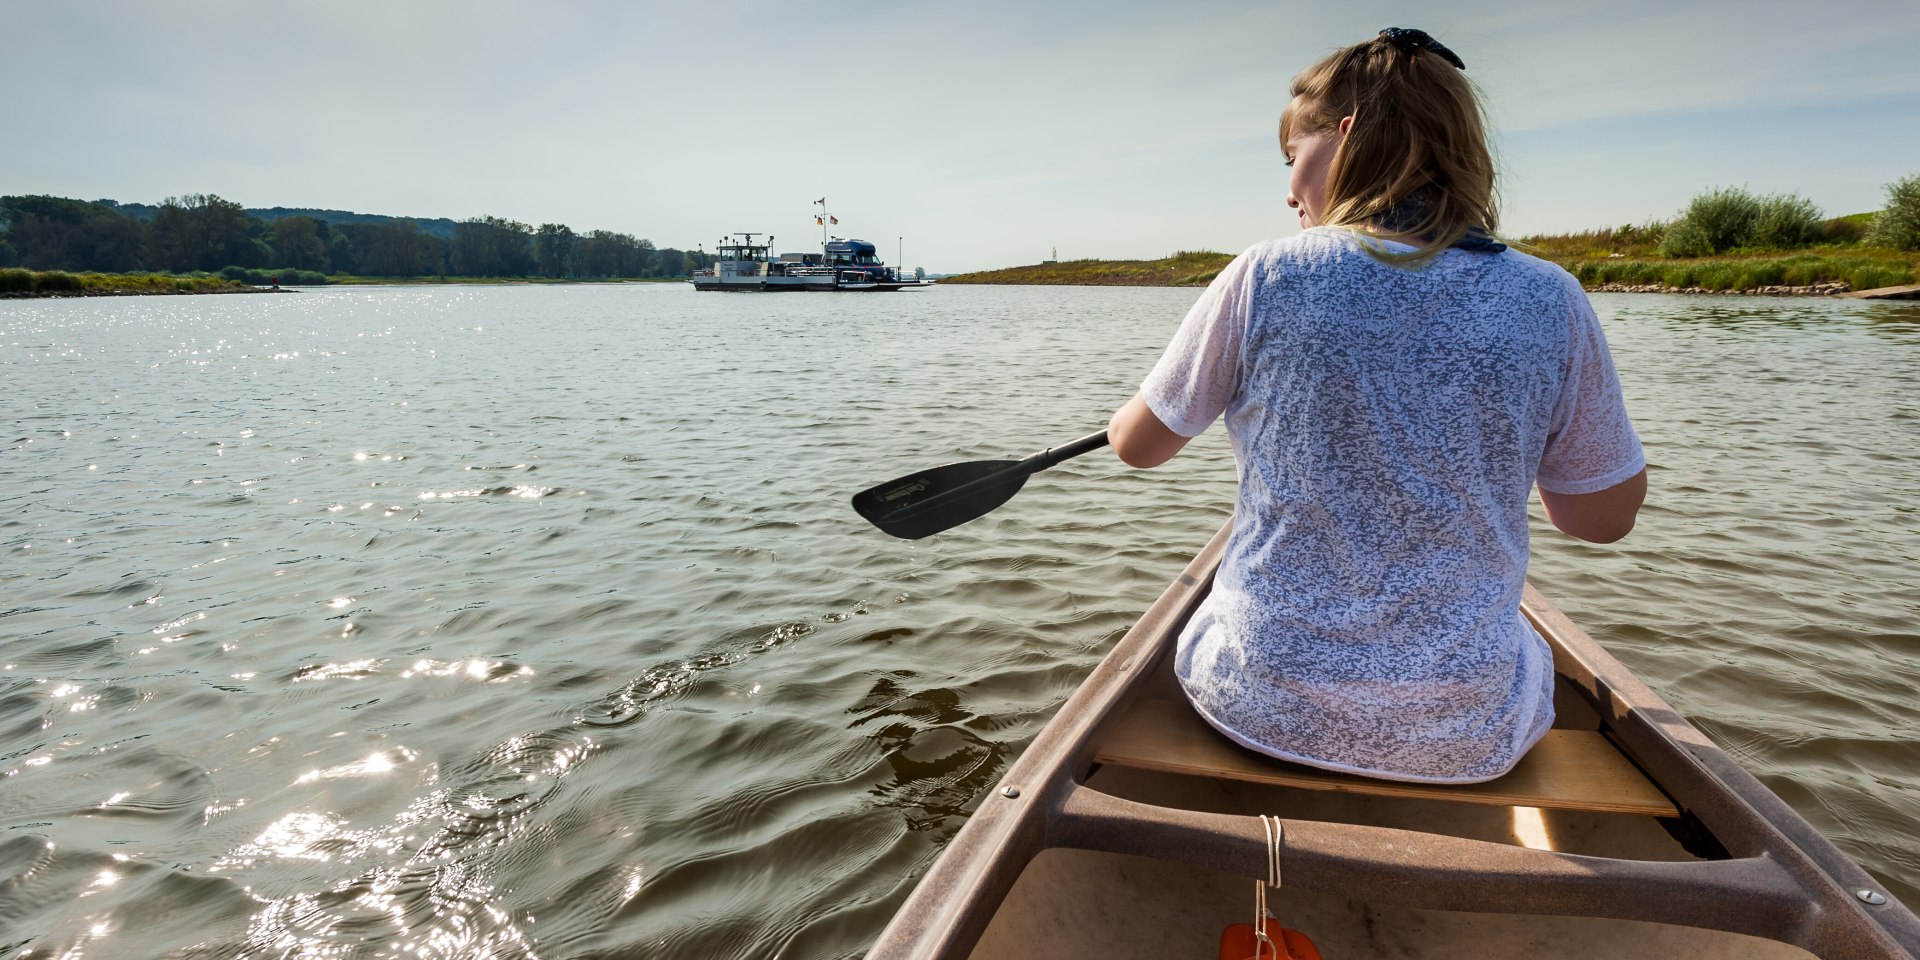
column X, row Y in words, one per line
column 1744, row 816
column 1783, row 881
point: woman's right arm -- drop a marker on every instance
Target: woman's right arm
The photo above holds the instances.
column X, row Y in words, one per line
column 1139, row 436
column 1603, row 516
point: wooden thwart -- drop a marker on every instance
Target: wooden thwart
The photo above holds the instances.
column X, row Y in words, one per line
column 1567, row 770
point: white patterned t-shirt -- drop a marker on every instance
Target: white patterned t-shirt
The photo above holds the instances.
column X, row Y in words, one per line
column 1389, row 424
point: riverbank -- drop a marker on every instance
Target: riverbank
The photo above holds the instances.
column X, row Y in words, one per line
column 16, row 283
column 488, row 281
column 1816, row 273
column 1810, row 273
column 1188, row 268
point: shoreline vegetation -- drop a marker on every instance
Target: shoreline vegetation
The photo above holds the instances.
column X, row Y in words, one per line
column 201, row 243
column 18, row 283
column 1725, row 241
column 1816, row 272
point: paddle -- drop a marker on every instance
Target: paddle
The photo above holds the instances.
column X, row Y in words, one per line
column 923, row 504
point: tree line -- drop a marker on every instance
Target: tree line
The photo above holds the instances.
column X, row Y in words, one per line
column 205, row 233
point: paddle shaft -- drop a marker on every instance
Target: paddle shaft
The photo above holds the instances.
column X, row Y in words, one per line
column 1066, row 451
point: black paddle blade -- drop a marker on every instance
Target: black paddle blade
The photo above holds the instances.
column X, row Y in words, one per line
column 923, row 504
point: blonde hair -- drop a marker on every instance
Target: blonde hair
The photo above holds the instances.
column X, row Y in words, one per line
column 1416, row 149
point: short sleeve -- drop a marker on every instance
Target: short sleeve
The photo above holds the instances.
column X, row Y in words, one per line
column 1591, row 445
column 1199, row 374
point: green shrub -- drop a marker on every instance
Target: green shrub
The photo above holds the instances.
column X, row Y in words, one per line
column 16, row 280
column 1726, row 217
column 1784, row 221
column 1847, row 229
column 1898, row 226
column 1685, row 238
column 1730, row 218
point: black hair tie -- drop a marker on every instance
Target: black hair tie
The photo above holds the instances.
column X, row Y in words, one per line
column 1410, row 40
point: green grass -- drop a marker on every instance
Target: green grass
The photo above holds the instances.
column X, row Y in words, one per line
column 345, row 279
column 19, row 282
column 1589, row 256
column 1187, row 268
column 1860, row 270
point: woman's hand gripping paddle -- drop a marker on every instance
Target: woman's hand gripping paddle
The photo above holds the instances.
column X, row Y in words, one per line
column 923, row 504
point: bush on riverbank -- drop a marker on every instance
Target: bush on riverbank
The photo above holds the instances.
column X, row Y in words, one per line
column 1731, row 218
column 1898, row 226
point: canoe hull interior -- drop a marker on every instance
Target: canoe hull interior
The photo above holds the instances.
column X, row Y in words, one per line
column 1070, row 857
column 1078, row 903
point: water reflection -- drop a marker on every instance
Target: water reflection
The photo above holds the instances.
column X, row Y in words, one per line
column 939, row 766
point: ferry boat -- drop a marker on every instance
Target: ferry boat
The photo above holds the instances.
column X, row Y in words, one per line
column 745, row 263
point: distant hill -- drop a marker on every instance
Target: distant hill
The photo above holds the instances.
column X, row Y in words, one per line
column 435, row 226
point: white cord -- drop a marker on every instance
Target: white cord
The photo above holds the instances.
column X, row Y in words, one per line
column 1276, row 832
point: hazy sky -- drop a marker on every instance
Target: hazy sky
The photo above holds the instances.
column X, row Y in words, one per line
column 982, row 132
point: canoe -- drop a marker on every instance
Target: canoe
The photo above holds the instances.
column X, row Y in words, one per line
column 1130, row 829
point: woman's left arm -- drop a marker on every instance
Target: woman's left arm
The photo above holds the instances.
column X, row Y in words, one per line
column 1140, row 438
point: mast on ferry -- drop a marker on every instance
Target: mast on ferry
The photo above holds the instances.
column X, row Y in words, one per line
column 822, row 221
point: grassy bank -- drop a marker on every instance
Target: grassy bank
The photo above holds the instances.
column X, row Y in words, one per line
column 1602, row 260
column 1805, row 272
column 491, row 281
column 16, row 282
column 1633, row 256
column 1188, row 268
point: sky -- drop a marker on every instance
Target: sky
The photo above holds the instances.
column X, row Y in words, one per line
column 955, row 136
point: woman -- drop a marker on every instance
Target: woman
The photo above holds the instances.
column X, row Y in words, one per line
column 1395, row 383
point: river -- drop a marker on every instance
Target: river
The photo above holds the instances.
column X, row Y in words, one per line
column 533, row 621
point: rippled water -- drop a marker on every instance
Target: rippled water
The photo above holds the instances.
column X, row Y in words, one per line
column 533, row 622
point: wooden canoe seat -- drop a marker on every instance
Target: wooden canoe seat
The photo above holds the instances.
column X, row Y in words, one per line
column 1568, row 770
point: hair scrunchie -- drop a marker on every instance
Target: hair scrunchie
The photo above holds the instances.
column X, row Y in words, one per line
column 1410, row 40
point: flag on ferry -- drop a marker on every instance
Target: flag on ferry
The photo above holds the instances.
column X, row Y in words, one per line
column 821, row 200
column 834, row 219
column 819, row 222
